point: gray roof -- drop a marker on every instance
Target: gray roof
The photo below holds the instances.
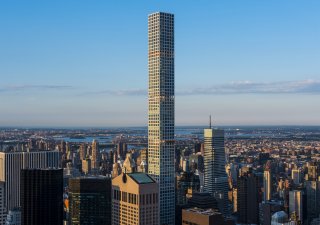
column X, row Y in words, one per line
column 141, row 178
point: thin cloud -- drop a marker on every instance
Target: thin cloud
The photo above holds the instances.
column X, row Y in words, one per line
column 122, row 92
column 236, row 87
column 20, row 88
column 250, row 87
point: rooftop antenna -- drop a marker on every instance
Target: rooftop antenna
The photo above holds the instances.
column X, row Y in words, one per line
column 210, row 121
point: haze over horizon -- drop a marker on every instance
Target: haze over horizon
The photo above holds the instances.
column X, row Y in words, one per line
column 81, row 64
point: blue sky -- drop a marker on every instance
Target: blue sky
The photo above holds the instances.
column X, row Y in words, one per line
column 84, row 63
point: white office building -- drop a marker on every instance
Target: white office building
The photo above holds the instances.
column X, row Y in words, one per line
column 161, row 144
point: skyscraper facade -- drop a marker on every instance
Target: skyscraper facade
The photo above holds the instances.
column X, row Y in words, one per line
column 267, row 185
column 296, row 176
column 13, row 217
column 312, row 188
column 135, row 200
column 2, row 203
column 296, row 204
column 161, row 111
column 11, row 164
column 90, row 200
column 83, row 151
column 215, row 176
column 42, row 196
column 248, row 198
column 95, row 154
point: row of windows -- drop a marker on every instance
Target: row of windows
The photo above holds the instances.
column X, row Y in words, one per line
column 144, row 199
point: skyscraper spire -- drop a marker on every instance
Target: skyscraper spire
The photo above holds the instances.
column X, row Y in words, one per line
column 210, row 121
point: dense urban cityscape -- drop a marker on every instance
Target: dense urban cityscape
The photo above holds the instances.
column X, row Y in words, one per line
column 160, row 173
column 280, row 160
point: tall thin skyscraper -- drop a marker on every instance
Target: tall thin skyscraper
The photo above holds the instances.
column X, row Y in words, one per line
column 95, row 154
column 215, row 176
column 161, row 111
column 295, row 204
column 267, row 185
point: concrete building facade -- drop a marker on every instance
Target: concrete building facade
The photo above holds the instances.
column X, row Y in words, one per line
column 135, row 200
column 161, row 145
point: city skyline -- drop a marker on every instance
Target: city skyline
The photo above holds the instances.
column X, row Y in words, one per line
column 81, row 65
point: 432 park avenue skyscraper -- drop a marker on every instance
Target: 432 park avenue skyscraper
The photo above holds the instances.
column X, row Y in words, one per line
column 161, row 110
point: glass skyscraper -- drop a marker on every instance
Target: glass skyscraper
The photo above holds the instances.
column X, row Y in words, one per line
column 41, row 196
column 161, row 111
column 11, row 164
column 215, row 176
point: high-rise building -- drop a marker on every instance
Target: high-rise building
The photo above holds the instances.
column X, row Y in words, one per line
column 14, row 217
column 11, row 164
column 62, row 146
column 144, row 155
column 135, row 200
column 215, row 176
column 313, row 199
column 90, row 200
column 41, row 196
column 313, row 171
column 95, row 154
column 82, row 151
column 2, row 203
column 296, row 176
column 267, row 209
column 203, row 217
column 122, row 149
column 267, row 185
column 184, row 182
column 248, row 198
column 161, row 145
column 201, row 200
column 315, row 221
column 296, row 204
column 86, row 166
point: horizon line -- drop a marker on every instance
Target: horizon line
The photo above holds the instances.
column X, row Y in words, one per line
column 146, row 126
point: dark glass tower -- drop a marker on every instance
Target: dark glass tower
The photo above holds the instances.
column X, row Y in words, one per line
column 90, row 200
column 41, row 196
column 248, row 198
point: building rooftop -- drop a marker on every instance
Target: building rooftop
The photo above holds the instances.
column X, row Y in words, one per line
column 90, row 177
column 208, row 212
column 280, row 215
column 161, row 13
column 141, row 178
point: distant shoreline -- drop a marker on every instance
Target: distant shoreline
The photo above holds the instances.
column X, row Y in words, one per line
column 145, row 127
